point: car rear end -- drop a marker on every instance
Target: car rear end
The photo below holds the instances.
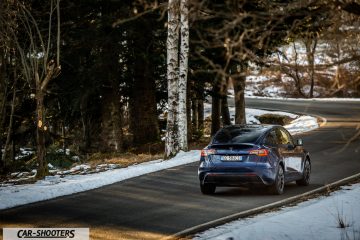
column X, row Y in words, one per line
column 234, row 161
column 235, row 165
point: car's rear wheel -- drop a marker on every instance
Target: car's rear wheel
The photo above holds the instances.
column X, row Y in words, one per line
column 207, row 188
column 305, row 180
column 278, row 186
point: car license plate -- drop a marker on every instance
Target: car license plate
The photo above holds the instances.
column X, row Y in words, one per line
column 231, row 158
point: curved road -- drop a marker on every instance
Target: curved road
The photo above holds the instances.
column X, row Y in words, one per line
column 169, row 201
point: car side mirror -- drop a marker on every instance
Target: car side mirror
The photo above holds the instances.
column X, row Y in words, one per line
column 299, row 142
column 290, row 146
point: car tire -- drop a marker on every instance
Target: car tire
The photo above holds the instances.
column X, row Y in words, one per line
column 278, row 187
column 305, row 180
column 207, row 188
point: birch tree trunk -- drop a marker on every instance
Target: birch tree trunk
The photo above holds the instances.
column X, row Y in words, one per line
column 171, row 141
column 189, row 100
column 184, row 56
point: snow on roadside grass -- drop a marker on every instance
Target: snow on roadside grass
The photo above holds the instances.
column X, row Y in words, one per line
column 55, row 186
column 315, row 219
column 300, row 124
column 252, row 113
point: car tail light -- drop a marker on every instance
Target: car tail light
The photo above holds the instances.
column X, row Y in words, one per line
column 260, row 152
column 207, row 152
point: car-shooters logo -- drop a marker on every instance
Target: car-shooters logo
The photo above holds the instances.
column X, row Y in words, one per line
column 46, row 233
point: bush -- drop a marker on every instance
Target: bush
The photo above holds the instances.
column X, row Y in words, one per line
column 59, row 158
column 274, row 119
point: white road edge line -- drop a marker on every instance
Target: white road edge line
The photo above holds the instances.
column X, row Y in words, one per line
column 202, row 227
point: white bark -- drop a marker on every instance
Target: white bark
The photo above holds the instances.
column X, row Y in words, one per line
column 183, row 71
column 171, row 141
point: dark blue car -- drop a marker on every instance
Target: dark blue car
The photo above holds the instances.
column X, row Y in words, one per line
column 250, row 155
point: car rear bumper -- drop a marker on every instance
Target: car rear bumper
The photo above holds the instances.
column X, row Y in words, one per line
column 237, row 178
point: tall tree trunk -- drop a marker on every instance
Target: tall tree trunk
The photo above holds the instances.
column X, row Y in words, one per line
column 239, row 92
column 200, row 108
column 63, row 136
column 143, row 105
column 11, row 121
column 52, row 71
column 296, row 75
column 336, row 84
column 111, row 126
column 310, row 45
column 216, row 107
column 85, row 123
column 58, row 32
column 224, row 103
column 183, row 73
column 3, row 94
column 189, row 102
column 200, row 111
column 143, row 98
column 171, row 141
column 40, row 131
column 195, row 115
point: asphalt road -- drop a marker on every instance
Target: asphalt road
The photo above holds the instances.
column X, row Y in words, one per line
column 169, row 201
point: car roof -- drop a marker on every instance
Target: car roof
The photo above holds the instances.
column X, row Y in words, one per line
column 263, row 129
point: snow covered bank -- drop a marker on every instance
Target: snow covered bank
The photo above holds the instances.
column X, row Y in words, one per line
column 315, row 219
column 300, row 124
column 55, row 186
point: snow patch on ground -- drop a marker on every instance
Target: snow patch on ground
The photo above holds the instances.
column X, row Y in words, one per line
column 256, row 79
column 259, row 112
column 315, row 219
column 58, row 185
column 300, row 124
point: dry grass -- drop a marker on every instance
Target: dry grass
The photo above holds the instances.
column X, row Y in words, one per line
column 124, row 159
column 117, row 233
column 136, row 157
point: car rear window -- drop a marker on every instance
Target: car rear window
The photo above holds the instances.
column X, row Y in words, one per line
column 237, row 135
